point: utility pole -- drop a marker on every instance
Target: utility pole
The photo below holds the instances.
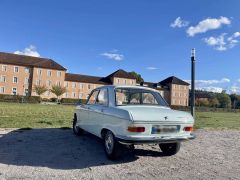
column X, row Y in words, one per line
column 193, row 83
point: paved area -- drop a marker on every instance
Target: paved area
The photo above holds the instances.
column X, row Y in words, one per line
column 58, row 154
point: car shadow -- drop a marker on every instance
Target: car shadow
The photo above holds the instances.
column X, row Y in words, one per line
column 58, row 149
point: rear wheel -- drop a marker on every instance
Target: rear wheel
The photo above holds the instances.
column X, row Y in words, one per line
column 169, row 149
column 113, row 149
column 76, row 130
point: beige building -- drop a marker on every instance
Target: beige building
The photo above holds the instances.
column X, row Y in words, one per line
column 175, row 91
column 79, row 86
column 19, row 74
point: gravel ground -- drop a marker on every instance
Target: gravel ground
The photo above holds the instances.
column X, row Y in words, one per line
column 58, row 154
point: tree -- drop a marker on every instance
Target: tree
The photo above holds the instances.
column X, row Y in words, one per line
column 203, row 102
column 235, row 99
column 39, row 90
column 214, row 102
column 137, row 76
column 58, row 91
column 224, row 100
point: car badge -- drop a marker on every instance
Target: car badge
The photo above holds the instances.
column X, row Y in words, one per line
column 166, row 118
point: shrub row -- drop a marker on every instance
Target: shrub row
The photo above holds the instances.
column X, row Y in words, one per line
column 72, row 101
column 205, row 109
column 19, row 99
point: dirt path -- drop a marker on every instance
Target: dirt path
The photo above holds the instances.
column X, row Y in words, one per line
column 58, row 154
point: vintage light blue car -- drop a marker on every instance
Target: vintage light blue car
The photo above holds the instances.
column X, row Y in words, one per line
column 129, row 115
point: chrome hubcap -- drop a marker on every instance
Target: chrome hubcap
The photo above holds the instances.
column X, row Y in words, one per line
column 109, row 143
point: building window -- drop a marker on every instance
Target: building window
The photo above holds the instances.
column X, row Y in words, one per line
column 81, row 86
column 14, row 91
column 26, row 81
column 80, row 95
column 118, row 81
column 65, row 84
column 125, row 81
column 2, row 89
column 47, row 93
column 49, row 83
column 73, row 94
column 89, row 86
column 74, row 85
column 16, row 69
column 59, row 73
column 132, row 82
column 4, row 68
column 3, row 79
column 27, row 70
column 38, row 82
column 39, row 72
column 58, row 83
column 15, row 79
column 25, row 92
column 66, row 95
column 49, row 73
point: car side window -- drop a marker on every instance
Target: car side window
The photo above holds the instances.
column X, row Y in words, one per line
column 93, row 98
column 102, row 98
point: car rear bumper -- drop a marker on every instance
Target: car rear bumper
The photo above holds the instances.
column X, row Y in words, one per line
column 154, row 140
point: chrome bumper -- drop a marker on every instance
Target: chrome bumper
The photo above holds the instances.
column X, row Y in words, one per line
column 154, row 140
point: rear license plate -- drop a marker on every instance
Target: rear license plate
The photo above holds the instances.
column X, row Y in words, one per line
column 158, row 129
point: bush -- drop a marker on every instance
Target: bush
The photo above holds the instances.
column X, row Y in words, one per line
column 19, row 99
column 72, row 101
column 53, row 99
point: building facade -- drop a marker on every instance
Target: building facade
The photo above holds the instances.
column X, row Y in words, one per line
column 19, row 74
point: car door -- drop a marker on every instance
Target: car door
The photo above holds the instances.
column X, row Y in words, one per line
column 87, row 110
column 96, row 112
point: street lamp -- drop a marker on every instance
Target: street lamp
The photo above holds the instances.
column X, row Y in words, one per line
column 193, row 83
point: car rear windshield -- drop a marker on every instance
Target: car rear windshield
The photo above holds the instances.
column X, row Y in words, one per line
column 135, row 96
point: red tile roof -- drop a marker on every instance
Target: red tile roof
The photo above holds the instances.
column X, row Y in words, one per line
column 22, row 60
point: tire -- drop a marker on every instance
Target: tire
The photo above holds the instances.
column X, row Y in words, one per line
column 76, row 130
column 112, row 148
column 169, row 149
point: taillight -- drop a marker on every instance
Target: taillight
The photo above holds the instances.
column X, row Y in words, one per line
column 188, row 129
column 136, row 129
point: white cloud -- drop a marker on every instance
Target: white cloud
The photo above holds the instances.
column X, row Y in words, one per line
column 236, row 34
column 29, row 51
column 207, row 24
column 113, row 55
column 151, row 68
column 234, row 90
column 210, row 82
column 210, row 85
column 217, row 42
column 179, row 23
column 220, row 43
column 211, row 89
column 238, row 80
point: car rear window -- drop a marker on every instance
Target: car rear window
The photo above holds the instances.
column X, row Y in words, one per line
column 134, row 96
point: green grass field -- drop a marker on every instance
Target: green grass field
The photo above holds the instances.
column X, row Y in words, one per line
column 42, row 116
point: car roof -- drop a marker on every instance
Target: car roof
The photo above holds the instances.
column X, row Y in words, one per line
column 127, row 86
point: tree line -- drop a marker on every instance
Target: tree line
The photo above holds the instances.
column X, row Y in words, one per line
column 218, row 100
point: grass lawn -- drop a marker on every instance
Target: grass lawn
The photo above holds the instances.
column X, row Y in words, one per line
column 14, row 115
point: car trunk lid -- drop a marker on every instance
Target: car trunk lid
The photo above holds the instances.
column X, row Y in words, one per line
column 142, row 113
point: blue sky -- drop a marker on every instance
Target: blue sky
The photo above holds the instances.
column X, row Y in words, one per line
column 153, row 38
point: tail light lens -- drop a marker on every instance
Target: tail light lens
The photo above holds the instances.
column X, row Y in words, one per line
column 136, row 129
column 188, row 129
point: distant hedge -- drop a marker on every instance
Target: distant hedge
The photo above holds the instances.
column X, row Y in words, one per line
column 19, row 99
column 205, row 109
column 72, row 101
